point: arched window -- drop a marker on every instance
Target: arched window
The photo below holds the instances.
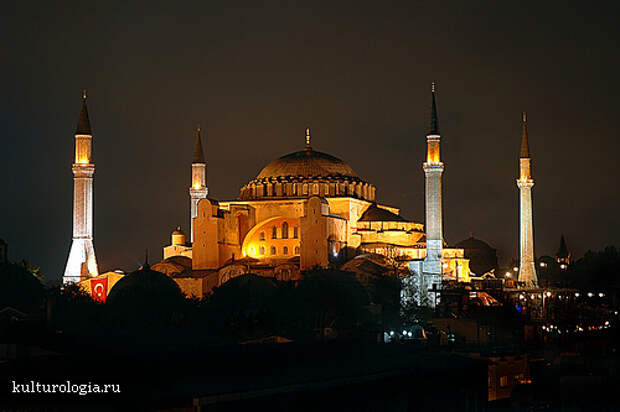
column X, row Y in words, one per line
column 297, row 250
column 274, row 232
column 261, row 250
column 285, row 250
column 285, row 230
column 273, row 250
column 295, row 232
column 262, row 236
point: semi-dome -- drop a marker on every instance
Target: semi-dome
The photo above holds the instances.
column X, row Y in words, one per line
column 307, row 173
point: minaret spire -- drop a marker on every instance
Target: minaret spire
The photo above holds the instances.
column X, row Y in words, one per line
column 525, row 146
column 434, row 119
column 83, row 125
column 308, row 146
column 199, row 156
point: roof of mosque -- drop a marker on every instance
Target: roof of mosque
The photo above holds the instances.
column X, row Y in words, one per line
column 375, row 213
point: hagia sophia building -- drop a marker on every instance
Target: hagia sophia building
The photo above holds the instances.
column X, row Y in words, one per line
column 304, row 210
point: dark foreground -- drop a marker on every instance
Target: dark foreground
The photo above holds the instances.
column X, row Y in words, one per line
column 275, row 377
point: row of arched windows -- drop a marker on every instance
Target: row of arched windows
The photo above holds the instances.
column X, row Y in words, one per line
column 284, row 232
column 274, row 250
column 357, row 189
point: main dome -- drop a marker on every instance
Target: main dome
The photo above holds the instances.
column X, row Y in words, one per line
column 307, row 173
column 307, row 163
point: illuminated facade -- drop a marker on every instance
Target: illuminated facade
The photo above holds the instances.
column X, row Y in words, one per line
column 527, row 267
column 304, row 210
column 82, row 263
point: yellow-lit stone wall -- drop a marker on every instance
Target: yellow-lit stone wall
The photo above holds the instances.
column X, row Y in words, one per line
column 313, row 235
column 177, row 250
column 205, row 249
column 113, row 277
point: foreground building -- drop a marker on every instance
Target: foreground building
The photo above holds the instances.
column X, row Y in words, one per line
column 305, row 210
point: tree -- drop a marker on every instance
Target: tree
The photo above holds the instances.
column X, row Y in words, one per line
column 19, row 288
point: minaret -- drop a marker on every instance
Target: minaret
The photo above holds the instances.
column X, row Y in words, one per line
column 433, row 169
column 563, row 255
column 527, row 268
column 82, row 262
column 198, row 189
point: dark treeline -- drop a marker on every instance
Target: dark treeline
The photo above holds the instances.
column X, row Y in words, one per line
column 323, row 305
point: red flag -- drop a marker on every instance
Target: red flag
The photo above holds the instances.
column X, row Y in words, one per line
column 99, row 289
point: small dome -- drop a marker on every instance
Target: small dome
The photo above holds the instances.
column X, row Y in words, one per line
column 482, row 257
column 473, row 243
column 379, row 214
column 143, row 285
column 178, row 232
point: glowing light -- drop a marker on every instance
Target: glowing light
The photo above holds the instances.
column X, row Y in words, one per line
column 196, row 186
column 516, row 269
column 542, row 264
column 600, row 295
column 548, row 294
column 576, row 294
column 391, row 333
column 590, row 294
column 507, row 274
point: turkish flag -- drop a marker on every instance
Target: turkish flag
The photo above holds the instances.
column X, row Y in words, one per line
column 99, row 289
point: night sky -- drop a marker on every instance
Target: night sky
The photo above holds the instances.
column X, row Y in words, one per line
column 358, row 73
